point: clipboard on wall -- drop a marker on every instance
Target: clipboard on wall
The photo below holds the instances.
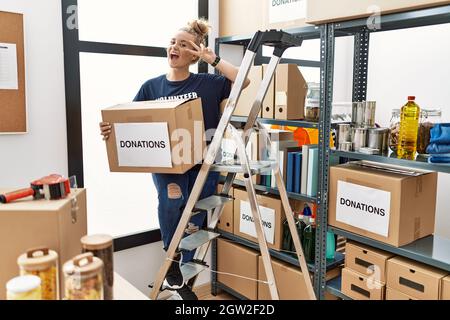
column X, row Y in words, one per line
column 13, row 116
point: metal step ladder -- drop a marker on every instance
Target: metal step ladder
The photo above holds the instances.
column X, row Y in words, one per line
column 214, row 205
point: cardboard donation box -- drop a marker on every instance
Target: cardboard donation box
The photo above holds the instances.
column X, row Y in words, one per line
column 392, row 294
column 155, row 136
column 445, row 295
column 392, row 205
column 289, row 279
column 360, row 287
column 272, row 214
column 225, row 222
column 414, row 279
column 238, row 260
column 260, row 15
column 290, row 93
column 321, row 11
column 367, row 260
column 26, row 224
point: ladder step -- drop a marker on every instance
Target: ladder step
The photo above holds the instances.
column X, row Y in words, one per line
column 256, row 167
column 197, row 239
column 212, row 202
column 191, row 270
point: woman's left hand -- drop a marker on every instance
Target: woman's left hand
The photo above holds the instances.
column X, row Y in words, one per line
column 204, row 53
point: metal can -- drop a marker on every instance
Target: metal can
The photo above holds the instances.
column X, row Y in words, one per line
column 375, row 138
column 344, row 133
column 345, row 146
column 369, row 114
column 359, row 138
column 358, row 109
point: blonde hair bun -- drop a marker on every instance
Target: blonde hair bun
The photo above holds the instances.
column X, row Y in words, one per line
column 200, row 27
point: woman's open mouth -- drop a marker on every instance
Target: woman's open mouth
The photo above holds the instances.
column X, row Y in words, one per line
column 174, row 56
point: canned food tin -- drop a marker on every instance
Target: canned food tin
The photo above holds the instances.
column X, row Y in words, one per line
column 359, row 138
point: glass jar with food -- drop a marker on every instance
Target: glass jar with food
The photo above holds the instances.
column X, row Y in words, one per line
column 43, row 263
column 101, row 246
column 394, row 130
column 428, row 118
column 83, row 278
column 312, row 102
column 24, row 288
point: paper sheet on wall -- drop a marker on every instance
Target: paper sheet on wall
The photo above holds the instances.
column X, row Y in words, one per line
column 8, row 67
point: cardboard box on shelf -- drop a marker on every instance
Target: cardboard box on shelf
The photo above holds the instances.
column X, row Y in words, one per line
column 248, row 95
column 272, row 214
column 323, row 11
column 392, row 294
column 27, row 223
column 268, row 106
column 289, row 279
column 394, row 207
column 414, row 279
column 290, row 93
column 239, row 260
column 445, row 294
column 264, row 15
column 225, row 222
column 360, row 287
column 367, row 260
column 149, row 136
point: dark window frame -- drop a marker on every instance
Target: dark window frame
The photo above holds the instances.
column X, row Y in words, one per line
column 72, row 49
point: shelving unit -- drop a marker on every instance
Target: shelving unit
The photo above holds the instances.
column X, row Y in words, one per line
column 307, row 33
column 280, row 255
column 334, row 287
column 432, row 250
column 291, row 195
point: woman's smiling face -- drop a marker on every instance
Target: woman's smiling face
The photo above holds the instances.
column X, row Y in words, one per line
column 177, row 54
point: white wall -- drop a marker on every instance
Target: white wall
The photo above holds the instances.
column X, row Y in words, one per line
column 413, row 62
column 43, row 150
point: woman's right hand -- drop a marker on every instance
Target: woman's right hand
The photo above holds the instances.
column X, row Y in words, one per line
column 105, row 130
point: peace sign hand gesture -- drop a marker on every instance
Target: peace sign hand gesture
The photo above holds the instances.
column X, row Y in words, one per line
column 204, row 53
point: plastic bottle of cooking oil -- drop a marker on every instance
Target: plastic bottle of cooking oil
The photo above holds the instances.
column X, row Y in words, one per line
column 409, row 127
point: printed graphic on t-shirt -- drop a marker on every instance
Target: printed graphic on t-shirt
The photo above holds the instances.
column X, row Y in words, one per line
column 190, row 95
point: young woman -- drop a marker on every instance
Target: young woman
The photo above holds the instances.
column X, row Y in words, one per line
column 186, row 48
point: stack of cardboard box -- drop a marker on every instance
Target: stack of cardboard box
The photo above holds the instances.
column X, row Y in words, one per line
column 410, row 280
column 373, row 274
column 364, row 275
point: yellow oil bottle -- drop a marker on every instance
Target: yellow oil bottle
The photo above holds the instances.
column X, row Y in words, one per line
column 409, row 127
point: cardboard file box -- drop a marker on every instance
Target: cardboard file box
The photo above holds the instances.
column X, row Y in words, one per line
column 376, row 202
column 272, row 213
column 225, row 222
column 360, row 287
column 392, row 294
column 27, row 223
column 290, row 93
column 366, row 260
column 248, row 95
column 414, row 279
column 324, row 11
column 155, row 136
column 445, row 294
column 238, row 260
column 268, row 106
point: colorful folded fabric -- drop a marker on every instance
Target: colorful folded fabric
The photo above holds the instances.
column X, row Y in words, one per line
column 434, row 148
column 440, row 133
